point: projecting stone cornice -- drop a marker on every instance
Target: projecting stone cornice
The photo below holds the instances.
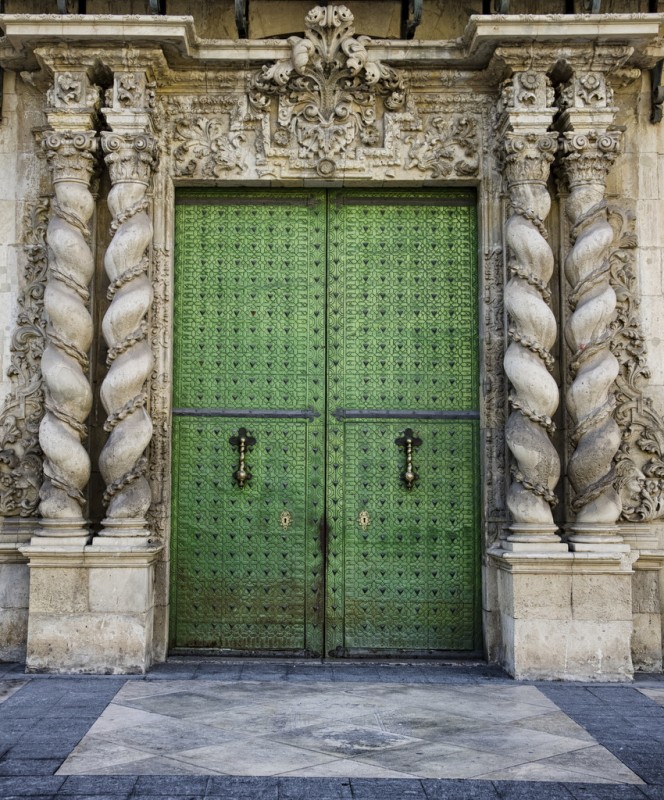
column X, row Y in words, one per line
column 183, row 47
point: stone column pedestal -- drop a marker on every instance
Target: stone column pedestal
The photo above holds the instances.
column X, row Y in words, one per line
column 565, row 616
column 14, row 586
column 90, row 611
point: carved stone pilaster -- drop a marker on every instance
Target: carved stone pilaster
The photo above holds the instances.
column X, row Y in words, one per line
column 130, row 153
column 528, row 151
column 70, row 148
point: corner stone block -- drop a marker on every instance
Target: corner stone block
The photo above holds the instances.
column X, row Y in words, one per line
column 647, row 642
column 602, row 597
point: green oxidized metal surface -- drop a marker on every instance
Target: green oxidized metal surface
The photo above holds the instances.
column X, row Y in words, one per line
column 253, row 308
column 402, row 353
column 249, row 353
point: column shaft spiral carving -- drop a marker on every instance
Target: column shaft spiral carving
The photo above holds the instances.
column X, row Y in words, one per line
column 68, row 397
column 131, row 159
column 532, row 332
column 590, row 398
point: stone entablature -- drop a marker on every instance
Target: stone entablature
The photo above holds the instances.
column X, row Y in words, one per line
column 328, row 108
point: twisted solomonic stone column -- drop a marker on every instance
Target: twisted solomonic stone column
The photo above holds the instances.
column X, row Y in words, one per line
column 71, row 155
column 591, row 397
column 529, row 150
column 131, row 157
column 590, row 147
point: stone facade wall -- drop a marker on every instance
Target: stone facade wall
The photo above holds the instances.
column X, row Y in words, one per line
column 587, row 607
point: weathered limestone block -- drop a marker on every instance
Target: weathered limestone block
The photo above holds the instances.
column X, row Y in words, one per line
column 91, row 612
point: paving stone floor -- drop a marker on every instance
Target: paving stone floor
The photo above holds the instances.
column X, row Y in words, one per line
column 308, row 730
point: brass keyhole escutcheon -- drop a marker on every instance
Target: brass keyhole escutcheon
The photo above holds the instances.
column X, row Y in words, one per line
column 364, row 520
column 285, row 519
column 244, row 441
column 409, row 441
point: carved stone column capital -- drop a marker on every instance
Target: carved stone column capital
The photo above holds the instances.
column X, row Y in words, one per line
column 588, row 157
column 528, row 157
column 71, row 155
column 130, row 156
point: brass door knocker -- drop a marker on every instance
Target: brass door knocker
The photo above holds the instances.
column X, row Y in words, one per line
column 408, row 441
column 244, row 441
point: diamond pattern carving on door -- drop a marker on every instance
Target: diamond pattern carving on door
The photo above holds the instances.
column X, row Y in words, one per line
column 257, row 301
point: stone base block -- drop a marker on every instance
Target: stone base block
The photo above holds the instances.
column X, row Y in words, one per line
column 14, row 587
column 565, row 618
column 90, row 612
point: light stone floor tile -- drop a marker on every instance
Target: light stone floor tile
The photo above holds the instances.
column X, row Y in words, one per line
column 438, row 760
column 117, row 717
column 8, row 688
column 654, row 694
column 253, row 757
column 169, row 736
column 94, row 753
column 530, row 745
column 346, row 768
column 340, row 729
column 595, row 761
column 539, row 771
column 339, row 739
column 556, row 723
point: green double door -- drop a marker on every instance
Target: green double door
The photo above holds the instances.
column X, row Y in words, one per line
column 325, row 425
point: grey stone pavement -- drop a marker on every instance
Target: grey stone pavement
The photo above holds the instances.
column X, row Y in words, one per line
column 46, row 722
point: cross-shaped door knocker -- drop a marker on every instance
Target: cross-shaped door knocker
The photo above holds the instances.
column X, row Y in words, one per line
column 408, row 441
column 244, row 441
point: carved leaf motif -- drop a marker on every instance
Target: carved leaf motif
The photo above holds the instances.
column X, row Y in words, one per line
column 447, row 147
column 20, row 456
column 206, row 148
column 639, row 475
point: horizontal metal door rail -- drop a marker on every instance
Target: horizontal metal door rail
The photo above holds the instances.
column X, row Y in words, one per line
column 256, row 413
column 351, row 413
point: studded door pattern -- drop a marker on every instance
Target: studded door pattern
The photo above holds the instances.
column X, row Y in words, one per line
column 249, row 352
column 402, row 338
column 326, row 353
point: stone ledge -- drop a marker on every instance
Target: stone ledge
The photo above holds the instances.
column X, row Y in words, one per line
column 650, row 560
column 24, row 32
column 107, row 559
column 572, row 563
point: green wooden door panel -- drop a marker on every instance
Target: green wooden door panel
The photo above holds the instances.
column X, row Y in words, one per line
column 402, row 353
column 326, row 325
column 249, row 351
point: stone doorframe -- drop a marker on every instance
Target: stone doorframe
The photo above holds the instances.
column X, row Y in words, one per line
column 180, row 111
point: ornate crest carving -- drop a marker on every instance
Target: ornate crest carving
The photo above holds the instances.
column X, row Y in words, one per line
column 640, row 460
column 20, row 455
column 449, row 147
column 328, row 94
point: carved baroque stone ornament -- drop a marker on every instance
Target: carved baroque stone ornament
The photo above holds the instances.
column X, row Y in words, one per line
column 21, row 414
column 328, row 92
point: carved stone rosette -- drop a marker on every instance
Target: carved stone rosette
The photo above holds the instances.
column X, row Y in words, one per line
column 71, row 155
column 131, row 158
column 591, row 397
